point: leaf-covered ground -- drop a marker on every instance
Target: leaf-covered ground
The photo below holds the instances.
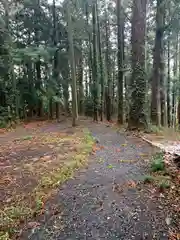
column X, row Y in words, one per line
column 109, row 199
column 34, row 160
column 116, row 196
column 166, row 183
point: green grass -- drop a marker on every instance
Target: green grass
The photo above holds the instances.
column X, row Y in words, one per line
column 163, row 185
column 160, row 181
column 157, row 163
column 110, row 166
column 26, row 138
column 148, row 179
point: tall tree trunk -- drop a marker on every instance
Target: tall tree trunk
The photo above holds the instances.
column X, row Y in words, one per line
column 109, row 84
column 168, row 86
column 9, row 75
column 101, row 67
column 137, row 116
column 73, row 69
column 95, row 68
column 120, row 23
column 50, row 108
column 90, row 57
column 174, row 92
column 38, row 83
column 55, row 62
column 113, row 85
column 157, row 62
column 80, row 81
column 163, row 90
column 65, row 85
column 86, row 80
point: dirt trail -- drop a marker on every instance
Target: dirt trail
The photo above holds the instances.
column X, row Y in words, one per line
column 103, row 201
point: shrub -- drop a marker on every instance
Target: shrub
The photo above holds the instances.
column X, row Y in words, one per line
column 157, row 163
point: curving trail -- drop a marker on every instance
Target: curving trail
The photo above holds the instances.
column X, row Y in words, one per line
column 103, row 201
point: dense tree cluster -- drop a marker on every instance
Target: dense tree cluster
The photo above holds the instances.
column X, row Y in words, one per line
column 99, row 58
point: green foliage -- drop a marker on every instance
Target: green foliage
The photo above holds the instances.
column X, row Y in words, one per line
column 32, row 54
column 110, row 166
column 154, row 129
column 148, row 179
column 163, row 185
column 27, row 138
column 157, row 163
column 39, row 204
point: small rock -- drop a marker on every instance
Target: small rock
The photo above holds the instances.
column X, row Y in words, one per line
column 35, row 159
column 168, row 221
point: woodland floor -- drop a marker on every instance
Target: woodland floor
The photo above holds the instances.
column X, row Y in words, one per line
column 106, row 199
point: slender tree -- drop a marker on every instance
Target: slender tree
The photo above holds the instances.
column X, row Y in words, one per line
column 100, row 66
column 120, row 24
column 168, row 84
column 73, row 70
column 175, row 79
column 108, row 70
column 137, row 116
column 157, row 63
column 95, row 67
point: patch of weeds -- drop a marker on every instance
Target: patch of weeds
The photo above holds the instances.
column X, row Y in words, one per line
column 10, row 218
column 39, row 204
column 163, row 185
column 17, row 212
column 110, row 166
column 27, row 138
column 148, row 179
column 157, row 163
column 88, row 139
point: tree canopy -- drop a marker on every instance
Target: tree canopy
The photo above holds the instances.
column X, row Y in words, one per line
column 106, row 59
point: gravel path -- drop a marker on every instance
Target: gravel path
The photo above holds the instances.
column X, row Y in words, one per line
column 101, row 202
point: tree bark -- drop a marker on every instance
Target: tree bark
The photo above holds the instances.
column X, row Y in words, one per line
column 101, row 67
column 137, row 116
column 90, row 57
column 95, row 69
column 73, row 69
column 163, row 90
column 157, row 62
column 174, row 91
column 168, row 87
column 65, row 85
column 109, row 84
column 120, row 23
column 80, row 81
column 55, row 62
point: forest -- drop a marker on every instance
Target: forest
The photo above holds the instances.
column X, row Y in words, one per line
column 106, row 59
column 89, row 119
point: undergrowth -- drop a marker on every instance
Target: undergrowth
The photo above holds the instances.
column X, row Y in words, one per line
column 157, row 162
column 158, row 176
column 160, row 181
column 20, row 211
